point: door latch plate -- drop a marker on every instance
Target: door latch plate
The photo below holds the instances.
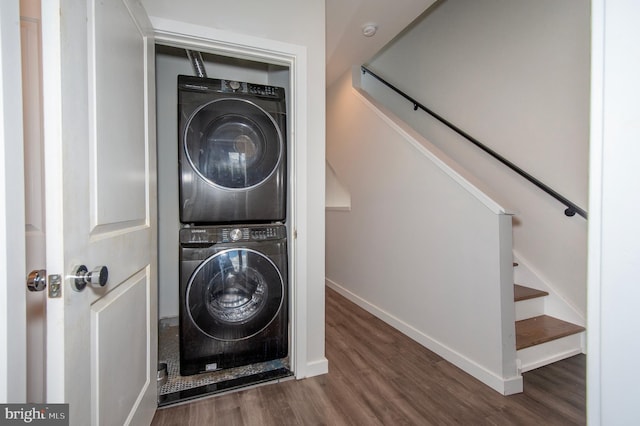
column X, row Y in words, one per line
column 55, row 286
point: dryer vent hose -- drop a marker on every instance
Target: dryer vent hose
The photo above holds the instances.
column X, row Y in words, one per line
column 197, row 63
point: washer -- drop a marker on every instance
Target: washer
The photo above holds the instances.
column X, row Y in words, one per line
column 233, row 296
column 232, row 156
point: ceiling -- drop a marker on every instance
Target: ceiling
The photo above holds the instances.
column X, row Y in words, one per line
column 345, row 44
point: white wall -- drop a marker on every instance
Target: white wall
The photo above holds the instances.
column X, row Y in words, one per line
column 421, row 247
column 515, row 75
column 614, row 230
column 273, row 21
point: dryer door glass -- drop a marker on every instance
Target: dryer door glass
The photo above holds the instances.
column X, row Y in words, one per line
column 234, row 294
column 233, row 143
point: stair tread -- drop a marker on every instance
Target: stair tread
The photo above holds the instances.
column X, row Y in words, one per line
column 521, row 292
column 542, row 329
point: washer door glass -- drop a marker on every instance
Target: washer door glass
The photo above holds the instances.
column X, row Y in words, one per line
column 234, row 294
column 233, row 143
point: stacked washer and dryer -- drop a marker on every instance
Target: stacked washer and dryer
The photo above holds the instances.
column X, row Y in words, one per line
column 233, row 246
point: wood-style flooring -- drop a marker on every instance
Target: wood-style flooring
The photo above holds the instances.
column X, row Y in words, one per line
column 378, row 376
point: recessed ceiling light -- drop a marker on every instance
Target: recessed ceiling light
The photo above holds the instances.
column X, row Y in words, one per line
column 369, row 30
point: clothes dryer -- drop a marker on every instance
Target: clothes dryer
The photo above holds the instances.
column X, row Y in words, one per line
column 233, row 296
column 232, row 151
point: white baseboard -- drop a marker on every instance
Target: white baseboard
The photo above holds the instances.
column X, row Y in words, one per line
column 503, row 385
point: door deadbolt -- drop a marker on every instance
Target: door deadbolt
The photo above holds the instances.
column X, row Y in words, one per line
column 96, row 278
column 37, row 280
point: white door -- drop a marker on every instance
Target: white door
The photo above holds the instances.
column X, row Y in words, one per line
column 99, row 120
column 12, row 222
column 34, row 194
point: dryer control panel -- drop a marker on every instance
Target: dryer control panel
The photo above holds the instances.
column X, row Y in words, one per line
column 199, row 84
column 251, row 89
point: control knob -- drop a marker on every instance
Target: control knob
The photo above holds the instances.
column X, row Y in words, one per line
column 235, row 234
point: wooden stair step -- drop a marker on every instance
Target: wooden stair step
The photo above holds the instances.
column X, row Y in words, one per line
column 542, row 329
column 521, row 292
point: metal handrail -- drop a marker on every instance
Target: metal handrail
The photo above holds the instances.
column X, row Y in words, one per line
column 571, row 209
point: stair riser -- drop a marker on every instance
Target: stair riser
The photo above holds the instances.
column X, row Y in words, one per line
column 550, row 352
column 529, row 308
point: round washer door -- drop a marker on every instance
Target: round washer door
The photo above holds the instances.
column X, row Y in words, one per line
column 234, row 294
column 233, row 143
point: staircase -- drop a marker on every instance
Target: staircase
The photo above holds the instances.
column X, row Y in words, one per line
column 542, row 339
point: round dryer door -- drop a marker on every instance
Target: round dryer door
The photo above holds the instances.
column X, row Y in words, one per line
column 234, row 294
column 233, row 143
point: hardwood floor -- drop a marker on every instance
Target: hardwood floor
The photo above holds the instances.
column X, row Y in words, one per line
column 378, row 376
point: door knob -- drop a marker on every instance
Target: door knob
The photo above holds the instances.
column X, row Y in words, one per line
column 37, row 280
column 97, row 277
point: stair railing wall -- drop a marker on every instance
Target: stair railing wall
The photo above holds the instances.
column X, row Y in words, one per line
column 415, row 217
column 571, row 208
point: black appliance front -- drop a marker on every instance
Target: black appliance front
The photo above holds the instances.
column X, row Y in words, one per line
column 233, row 296
column 232, row 151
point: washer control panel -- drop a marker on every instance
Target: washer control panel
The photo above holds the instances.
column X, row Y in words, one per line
column 207, row 235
